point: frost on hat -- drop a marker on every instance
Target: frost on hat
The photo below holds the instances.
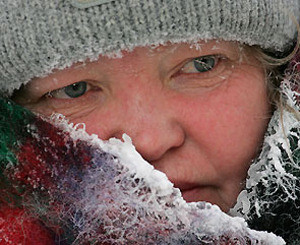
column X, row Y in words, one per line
column 82, row 190
column 38, row 36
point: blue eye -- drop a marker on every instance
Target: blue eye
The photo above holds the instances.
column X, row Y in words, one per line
column 72, row 91
column 76, row 89
column 205, row 63
column 200, row 64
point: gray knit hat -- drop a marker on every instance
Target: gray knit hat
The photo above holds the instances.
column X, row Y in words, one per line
column 38, row 36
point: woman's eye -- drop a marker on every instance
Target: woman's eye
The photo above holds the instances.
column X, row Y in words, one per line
column 200, row 64
column 74, row 90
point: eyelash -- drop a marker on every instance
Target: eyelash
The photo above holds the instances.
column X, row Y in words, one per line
column 186, row 76
column 62, row 92
column 190, row 65
column 186, row 68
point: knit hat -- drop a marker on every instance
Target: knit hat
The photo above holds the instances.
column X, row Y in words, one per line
column 38, row 36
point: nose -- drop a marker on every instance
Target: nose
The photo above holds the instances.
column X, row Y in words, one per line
column 151, row 123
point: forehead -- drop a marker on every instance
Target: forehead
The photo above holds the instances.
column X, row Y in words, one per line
column 150, row 59
column 199, row 46
column 173, row 50
column 167, row 52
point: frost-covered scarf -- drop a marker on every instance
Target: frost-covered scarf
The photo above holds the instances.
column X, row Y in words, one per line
column 59, row 185
column 271, row 199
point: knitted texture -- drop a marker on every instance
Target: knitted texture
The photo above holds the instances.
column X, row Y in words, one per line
column 38, row 36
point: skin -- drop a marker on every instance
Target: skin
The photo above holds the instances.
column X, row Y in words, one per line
column 200, row 128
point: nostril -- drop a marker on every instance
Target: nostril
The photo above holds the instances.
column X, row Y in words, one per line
column 156, row 159
column 154, row 152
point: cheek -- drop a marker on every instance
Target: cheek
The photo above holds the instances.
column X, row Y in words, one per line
column 98, row 122
column 228, row 124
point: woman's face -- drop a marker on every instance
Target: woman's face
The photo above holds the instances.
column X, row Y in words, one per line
column 197, row 113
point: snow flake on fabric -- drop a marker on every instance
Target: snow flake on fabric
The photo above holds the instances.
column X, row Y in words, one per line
column 82, row 190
